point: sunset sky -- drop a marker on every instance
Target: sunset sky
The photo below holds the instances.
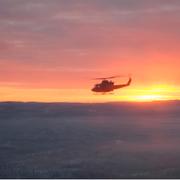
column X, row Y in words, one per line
column 50, row 50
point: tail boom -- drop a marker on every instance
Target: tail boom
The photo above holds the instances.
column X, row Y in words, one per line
column 123, row 85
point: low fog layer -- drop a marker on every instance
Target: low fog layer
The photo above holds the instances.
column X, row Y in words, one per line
column 72, row 140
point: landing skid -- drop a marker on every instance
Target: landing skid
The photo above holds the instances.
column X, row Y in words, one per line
column 105, row 93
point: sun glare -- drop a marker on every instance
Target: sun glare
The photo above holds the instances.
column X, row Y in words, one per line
column 149, row 97
column 154, row 93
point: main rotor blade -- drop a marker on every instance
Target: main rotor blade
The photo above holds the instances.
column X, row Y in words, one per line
column 111, row 77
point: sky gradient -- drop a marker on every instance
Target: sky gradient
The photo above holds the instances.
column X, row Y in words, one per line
column 50, row 50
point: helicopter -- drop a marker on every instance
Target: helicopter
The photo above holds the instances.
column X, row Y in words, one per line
column 107, row 85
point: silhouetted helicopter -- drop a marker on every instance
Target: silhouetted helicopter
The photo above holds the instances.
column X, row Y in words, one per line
column 107, row 85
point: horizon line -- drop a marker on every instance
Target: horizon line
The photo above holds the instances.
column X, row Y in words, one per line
column 106, row 102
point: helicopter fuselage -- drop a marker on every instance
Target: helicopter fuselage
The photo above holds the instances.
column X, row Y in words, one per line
column 108, row 86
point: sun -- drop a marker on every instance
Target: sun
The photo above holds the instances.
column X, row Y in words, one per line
column 149, row 97
column 153, row 93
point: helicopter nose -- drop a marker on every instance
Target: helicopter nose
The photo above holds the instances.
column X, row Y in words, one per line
column 93, row 89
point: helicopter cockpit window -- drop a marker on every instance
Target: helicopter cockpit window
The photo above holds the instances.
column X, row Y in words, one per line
column 97, row 86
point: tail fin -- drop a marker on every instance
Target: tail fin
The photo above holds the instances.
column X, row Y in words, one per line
column 129, row 82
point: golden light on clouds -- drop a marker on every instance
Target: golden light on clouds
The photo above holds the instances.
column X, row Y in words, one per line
column 155, row 92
